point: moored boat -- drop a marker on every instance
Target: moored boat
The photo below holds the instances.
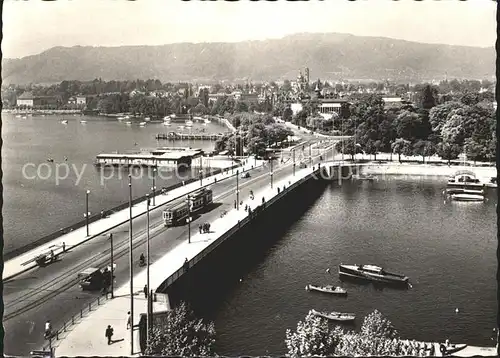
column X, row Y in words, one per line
column 467, row 197
column 142, row 124
column 464, row 179
column 335, row 316
column 372, row 273
column 65, row 121
column 327, row 289
column 451, row 191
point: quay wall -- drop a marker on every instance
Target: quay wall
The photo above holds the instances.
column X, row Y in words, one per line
column 485, row 173
column 246, row 242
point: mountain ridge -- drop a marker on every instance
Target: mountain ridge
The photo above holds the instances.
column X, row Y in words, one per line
column 328, row 55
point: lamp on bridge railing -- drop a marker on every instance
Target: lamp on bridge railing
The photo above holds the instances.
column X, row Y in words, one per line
column 189, row 202
column 87, row 213
column 237, row 190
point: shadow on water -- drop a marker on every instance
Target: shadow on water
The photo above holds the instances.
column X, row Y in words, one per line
column 209, row 282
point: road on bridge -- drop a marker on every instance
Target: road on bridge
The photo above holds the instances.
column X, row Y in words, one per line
column 52, row 293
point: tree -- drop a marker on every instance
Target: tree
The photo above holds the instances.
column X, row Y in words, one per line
column 287, row 114
column 448, row 151
column 407, row 125
column 181, row 334
column 313, row 337
column 401, row 146
column 349, row 147
column 429, row 95
column 375, row 325
column 424, row 148
column 438, row 115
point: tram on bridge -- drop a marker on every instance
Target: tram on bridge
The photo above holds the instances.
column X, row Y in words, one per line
column 178, row 214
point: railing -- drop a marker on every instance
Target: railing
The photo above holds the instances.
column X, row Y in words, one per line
column 75, row 319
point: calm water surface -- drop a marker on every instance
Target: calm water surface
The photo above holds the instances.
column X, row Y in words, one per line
column 37, row 207
column 447, row 250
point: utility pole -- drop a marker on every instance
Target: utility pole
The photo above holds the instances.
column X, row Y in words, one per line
column 237, row 191
column 189, row 218
column 271, row 173
column 131, row 262
column 112, row 266
column 147, row 273
column 87, row 212
column 310, row 155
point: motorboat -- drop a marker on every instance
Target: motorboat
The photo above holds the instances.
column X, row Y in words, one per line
column 335, row 316
column 147, row 119
column 327, row 289
column 65, row 121
column 142, row 124
column 467, row 197
column 464, row 179
column 372, row 273
column 83, row 122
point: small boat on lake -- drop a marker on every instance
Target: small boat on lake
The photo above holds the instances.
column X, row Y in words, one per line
column 83, row 122
column 335, row 316
column 467, row 197
column 372, row 273
column 464, row 179
column 65, row 121
column 142, row 124
column 327, row 289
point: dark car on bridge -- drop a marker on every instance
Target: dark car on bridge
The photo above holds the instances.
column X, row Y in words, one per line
column 94, row 279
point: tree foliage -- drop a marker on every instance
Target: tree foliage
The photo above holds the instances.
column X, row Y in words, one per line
column 181, row 334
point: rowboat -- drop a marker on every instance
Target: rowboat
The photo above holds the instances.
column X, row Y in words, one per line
column 335, row 316
column 327, row 289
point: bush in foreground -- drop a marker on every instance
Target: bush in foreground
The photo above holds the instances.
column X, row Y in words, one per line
column 181, row 334
column 378, row 337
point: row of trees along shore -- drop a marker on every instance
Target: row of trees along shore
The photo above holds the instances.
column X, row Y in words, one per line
column 446, row 129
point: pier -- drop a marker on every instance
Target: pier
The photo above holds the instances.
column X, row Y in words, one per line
column 181, row 136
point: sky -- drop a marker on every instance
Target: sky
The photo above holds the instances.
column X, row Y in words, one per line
column 31, row 27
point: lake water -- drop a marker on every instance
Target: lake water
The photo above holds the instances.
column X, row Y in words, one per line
column 36, row 207
column 447, row 249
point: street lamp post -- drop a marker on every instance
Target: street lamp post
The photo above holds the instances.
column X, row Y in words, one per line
column 147, row 272
column 342, row 130
column 154, row 185
column 131, row 268
column 293, row 154
column 87, row 210
column 112, row 267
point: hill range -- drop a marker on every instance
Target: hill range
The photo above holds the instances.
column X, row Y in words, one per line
column 329, row 56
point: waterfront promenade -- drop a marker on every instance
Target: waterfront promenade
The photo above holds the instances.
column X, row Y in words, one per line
column 25, row 261
column 87, row 337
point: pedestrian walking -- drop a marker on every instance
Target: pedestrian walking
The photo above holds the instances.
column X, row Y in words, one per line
column 128, row 320
column 146, row 291
column 201, row 228
column 109, row 334
column 64, row 246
